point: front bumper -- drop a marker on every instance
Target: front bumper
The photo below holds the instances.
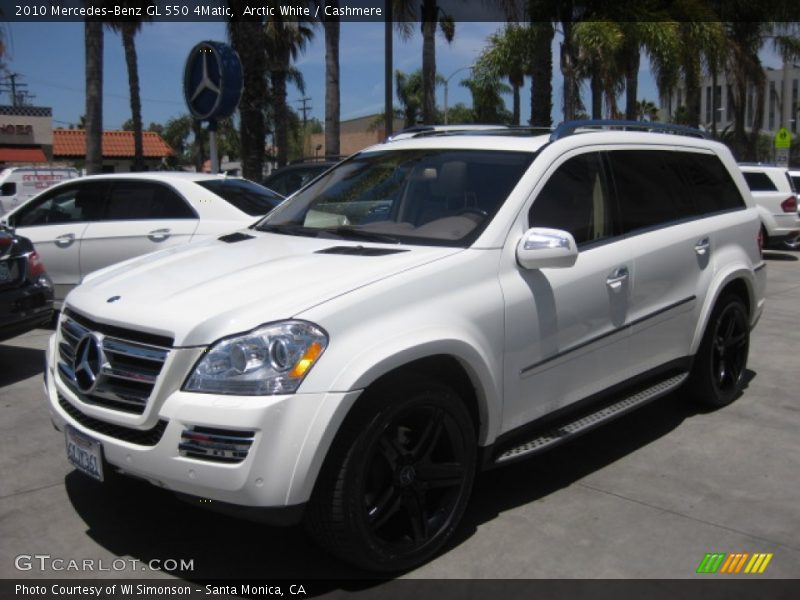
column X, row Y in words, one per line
column 291, row 435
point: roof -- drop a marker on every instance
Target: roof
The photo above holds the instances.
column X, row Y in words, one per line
column 116, row 144
column 22, row 155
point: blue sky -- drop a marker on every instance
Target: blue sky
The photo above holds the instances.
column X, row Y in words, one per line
column 50, row 59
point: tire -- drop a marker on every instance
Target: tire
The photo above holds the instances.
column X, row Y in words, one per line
column 719, row 366
column 397, row 478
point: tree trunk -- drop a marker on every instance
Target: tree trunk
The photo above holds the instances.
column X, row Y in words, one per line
column 129, row 44
column 429, row 13
column 632, row 60
column 93, row 34
column 515, row 117
column 597, row 96
column 569, row 61
column 541, row 74
column 247, row 40
column 281, row 111
column 331, row 25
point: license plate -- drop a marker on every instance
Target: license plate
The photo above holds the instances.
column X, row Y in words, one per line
column 85, row 453
column 5, row 272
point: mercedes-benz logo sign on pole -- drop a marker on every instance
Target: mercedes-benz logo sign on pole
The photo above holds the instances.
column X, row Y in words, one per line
column 212, row 81
column 88, row 362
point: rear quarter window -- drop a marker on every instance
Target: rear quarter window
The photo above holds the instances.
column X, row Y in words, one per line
column 759, row 182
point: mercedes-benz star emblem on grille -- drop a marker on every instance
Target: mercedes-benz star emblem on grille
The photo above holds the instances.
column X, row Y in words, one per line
column 89, row 361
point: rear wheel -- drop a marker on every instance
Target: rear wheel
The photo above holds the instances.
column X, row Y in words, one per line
column 397, row 479
column 718, row 373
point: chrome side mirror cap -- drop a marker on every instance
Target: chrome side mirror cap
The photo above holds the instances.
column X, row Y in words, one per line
column 541, row 248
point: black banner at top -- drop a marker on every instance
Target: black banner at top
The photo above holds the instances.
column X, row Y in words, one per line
column 379, row 10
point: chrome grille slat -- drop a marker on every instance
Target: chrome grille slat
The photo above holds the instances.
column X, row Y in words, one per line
column 129, row 372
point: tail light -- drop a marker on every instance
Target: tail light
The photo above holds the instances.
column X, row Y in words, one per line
column 35, row 265
column 790, row 204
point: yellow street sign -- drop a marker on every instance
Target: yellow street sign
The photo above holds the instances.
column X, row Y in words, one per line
column 783, row 139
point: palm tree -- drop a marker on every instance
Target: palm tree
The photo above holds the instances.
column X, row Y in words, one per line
column 248, row 39
column 128, row 28
column 93, row 40
column 542, row 34
column 409, row 93
column 599, row 44
column 284, row 41
column 507, row 56
column 332, row 111
column 646, row 111
column 487, row 103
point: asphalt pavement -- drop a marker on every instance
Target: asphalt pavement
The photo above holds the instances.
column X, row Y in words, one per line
column 647, row 496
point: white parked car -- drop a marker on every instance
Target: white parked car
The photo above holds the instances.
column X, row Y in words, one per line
column 428, row 308
column 89, row 223
column 776, row 198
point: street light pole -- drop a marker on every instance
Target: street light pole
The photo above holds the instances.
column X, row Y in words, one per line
column 447, row 83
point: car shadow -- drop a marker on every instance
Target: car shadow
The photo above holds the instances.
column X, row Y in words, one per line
column 780, row 256
column 18, row 363
column 133, row 518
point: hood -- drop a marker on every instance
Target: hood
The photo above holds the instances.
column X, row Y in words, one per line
column 203, row 291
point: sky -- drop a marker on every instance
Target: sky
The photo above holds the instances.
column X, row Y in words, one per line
column 49, row 57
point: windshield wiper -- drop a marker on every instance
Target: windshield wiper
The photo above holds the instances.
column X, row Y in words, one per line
column 345, row 231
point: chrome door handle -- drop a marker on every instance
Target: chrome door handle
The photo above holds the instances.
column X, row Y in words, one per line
column 158, row 235
column 65, row 241
column 617, row 278
column 702, row 247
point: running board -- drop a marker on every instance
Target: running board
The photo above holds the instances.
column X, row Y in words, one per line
column 570, row 429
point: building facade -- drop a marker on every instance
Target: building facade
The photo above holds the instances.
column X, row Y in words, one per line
column 781, row 102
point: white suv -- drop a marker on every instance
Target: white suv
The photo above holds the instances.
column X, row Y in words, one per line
column 428, row 308
column 776, row 199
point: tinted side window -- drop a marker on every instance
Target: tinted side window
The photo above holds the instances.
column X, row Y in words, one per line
column 759, row 182
column 650, row 189
column 248, row 197
column 709, row 183
column 72, row 204
column 576, row 199
column 140, row 200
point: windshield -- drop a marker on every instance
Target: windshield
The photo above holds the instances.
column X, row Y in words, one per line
column 423, row 196
column 248, row 197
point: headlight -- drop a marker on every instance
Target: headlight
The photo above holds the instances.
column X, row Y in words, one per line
column 272, row 359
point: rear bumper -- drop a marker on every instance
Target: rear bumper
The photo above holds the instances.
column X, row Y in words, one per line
column 23, row 309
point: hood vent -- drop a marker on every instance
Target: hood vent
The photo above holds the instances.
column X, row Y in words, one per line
column 237, row 236
column 359, row 251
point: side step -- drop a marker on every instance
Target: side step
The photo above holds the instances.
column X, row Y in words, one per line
column 587, row 421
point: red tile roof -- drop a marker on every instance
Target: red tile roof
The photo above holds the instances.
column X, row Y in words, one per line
column 22, row 155
column 116, row 144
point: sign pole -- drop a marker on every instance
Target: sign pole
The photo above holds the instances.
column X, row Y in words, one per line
column 212, row 145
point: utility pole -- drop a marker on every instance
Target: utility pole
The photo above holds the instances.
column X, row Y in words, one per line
column 305, row 108
column 17, row 90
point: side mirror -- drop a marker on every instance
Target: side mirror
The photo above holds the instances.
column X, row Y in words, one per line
column 542, row 248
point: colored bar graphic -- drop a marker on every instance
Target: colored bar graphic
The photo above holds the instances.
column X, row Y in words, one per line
column 733, row 563
column 711, row 562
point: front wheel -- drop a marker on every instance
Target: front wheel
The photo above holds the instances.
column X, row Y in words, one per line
column 398, row 477
column 718, row 373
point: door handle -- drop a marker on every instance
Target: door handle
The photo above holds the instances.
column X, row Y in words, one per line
column 158, row 235
column 65, row 241
column 702, row 247
column 617, row 278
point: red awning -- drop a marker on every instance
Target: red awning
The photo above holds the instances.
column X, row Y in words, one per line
column 22, row 155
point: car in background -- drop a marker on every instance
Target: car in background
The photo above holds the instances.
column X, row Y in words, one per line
column 794, row 175
column 287, row 180
column 89, row 223
column 18, row 184
column 776, row 199
column 26, row 292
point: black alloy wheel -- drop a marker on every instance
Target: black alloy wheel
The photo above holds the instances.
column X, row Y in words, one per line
column 718, row 374
column 391, row 497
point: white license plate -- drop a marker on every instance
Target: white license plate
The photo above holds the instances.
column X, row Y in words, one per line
column 5, row 272
column 85, row 453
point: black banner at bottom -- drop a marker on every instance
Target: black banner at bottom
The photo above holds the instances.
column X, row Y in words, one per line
column 403, row 589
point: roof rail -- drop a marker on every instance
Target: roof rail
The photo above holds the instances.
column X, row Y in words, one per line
column 571, row 127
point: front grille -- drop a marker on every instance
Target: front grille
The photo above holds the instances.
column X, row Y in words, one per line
column 217, row 445
column 141, row 437
column 127, row 368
